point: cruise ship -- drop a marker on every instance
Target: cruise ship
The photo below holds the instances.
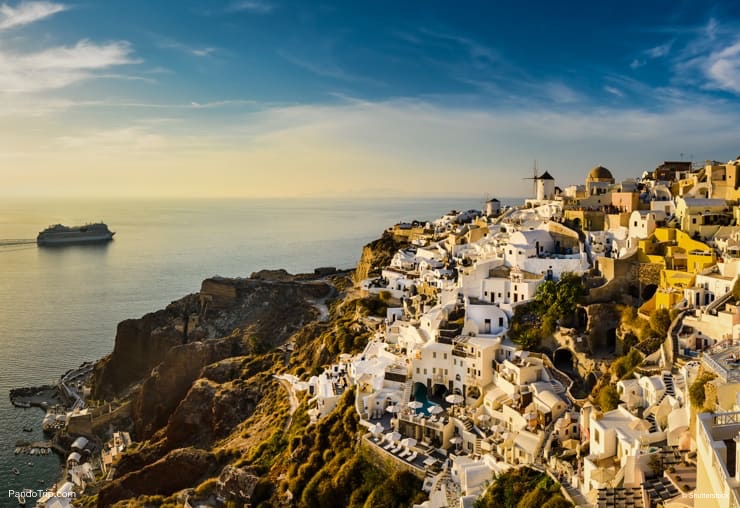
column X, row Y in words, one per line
column 64, row 235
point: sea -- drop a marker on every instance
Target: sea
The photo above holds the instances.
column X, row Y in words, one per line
column 59, row 307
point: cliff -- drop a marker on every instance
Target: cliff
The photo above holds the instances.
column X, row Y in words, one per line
column 205, row 404
column 377, row 254
column 267, row 312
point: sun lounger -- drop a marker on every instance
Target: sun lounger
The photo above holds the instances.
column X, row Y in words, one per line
column 412, row 457
column 388, row 446
column 405, row 453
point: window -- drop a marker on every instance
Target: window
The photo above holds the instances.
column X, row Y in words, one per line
column 434, row 370
column 693, row 221
column 434, row 354
column 501, row 321
column 499, row 295
column 596, row 436
column 417, row 370
column 445, row 357
column 635, row 223
column 446, row 372
column 425, row 372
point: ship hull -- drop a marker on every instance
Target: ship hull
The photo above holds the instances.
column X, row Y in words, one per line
column 73, row 239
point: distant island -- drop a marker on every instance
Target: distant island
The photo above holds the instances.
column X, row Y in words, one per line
column 580, row 350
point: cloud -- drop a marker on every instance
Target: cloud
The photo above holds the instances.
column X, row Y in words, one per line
column 613, row 91
column 659, row 51
column 61, row 66
column 723, row 68
column 166, row 43
column 27, row 12
column 136, row 138
column 710, row 58
column 327, row 69
column 253, row 6
column 636, row 64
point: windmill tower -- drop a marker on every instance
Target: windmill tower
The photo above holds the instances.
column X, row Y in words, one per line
column 544, row 185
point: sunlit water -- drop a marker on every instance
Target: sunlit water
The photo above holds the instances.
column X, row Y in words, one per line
column 59, row 307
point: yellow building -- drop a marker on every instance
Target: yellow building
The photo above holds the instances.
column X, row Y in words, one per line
column 680, row 257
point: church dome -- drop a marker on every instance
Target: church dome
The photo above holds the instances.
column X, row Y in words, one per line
column 600, row 173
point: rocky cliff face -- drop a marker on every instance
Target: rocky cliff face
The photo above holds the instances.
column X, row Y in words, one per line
column 140, row 345
column 266, row 312
column 178, row 470
column 375, row 254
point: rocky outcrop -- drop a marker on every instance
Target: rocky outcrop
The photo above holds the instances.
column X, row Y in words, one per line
column 210, row 411
column 140, row 345
column 376, row 254
column 178, row 470
column 266, row 311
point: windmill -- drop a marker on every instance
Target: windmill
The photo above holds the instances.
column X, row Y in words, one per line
column 534, row 178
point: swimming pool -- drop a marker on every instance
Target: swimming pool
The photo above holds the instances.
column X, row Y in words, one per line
column 419, row 394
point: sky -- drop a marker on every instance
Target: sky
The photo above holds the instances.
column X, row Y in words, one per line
column 273, row 98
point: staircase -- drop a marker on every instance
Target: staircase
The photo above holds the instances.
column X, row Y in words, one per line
column 477, row 449
column 653, row 424
column 407, row 390
column 468, row 424
column 668, row 382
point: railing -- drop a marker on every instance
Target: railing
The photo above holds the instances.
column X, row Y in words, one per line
column 727, row 376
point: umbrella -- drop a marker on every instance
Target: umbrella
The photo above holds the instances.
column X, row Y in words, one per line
column 377, row 428
column 435, row 410
column 456, row 440
column 393, row 436
column 454, row 398
column 483, row 417
column 392, row 409
column 416, row 405
column 409, row 442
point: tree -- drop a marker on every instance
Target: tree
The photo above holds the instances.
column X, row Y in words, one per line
column 697, row 395
column 660, row 322
column 608, row 398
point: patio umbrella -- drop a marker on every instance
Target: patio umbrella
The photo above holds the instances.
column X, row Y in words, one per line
column 393, row 436
column 409, row 442
column 377, row 428
column 392, row 409
column 454, row 398
column 415, row 404
column 456, row 440
column 483, row 417
column 435, row 410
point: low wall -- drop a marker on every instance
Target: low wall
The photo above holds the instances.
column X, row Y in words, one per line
column 385, row 460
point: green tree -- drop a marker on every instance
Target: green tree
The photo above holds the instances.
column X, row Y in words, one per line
column 660, row 322
column 697, row 395
column 608, row 398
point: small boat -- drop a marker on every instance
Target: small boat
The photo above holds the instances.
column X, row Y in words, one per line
column 33, row 451
column 27, row 429
column 15, row 470
column 30, row 464
column 22, row 500
column 17, row 451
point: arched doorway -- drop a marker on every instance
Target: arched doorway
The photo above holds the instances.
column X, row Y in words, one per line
column 611, row 340
column 563, row 359
column 648, row 292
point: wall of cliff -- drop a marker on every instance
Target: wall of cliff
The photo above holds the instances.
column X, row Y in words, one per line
column 266, row 312
column 376, row 254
